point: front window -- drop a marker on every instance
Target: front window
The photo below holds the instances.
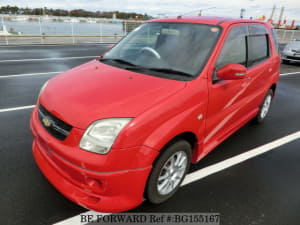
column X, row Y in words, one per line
column 235, row 48
column 166, row 49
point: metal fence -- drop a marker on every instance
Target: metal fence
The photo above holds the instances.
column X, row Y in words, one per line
column 285, row 36
column 68, row 30
column 62, row 30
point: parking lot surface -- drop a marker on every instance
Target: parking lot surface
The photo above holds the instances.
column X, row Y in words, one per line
column 261, row 190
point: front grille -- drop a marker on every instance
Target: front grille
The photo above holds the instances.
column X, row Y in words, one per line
column 293, row 57
column 56, row 127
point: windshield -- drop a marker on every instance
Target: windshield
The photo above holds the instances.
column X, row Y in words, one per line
column 295, row 44
column 174, row 49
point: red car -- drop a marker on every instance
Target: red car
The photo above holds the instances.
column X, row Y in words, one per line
column 127, row 125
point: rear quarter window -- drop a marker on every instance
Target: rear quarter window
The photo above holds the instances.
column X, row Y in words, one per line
column 258, row 44
column 258, row 48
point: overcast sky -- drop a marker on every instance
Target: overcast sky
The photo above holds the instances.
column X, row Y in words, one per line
column 231, row 8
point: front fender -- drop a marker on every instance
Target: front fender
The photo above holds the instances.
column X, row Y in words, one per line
column 191, row 121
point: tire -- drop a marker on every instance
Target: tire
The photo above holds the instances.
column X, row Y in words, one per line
column 264, row 107
column 162, row 172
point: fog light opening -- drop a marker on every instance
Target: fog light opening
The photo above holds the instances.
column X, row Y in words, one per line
column 94, row 185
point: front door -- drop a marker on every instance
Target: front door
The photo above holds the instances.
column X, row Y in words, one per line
column 226, row 97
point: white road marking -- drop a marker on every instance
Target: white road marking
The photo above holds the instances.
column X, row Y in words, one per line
column 47, row 59
column 284, row 74
column 17, row 108
column 207, row 171
column 28, row 74
column 200, row 174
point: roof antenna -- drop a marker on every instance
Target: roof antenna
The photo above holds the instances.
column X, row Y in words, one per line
column 179, row 17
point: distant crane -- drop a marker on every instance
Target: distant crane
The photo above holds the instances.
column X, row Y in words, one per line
column 272, row 13
column 280, row 17
column 270, row 20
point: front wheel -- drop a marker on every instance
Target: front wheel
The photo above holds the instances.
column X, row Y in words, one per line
column 264, row 107
column 168, row 172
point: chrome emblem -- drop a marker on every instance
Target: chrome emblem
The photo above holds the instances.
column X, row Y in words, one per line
column 46, row 122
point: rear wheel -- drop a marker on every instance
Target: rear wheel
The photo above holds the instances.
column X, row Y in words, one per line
column 168, row 172
column 264, row 107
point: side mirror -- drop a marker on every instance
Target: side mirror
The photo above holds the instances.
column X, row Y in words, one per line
column 232, row 72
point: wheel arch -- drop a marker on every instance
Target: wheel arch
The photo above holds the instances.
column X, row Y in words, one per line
column 188, row 136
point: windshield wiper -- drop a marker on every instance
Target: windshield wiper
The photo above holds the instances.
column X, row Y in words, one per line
column 162, row 70
column 117, row 60
column 137, row 67
column 171, row 71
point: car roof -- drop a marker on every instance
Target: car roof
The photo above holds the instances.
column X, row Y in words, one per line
column 212, row 20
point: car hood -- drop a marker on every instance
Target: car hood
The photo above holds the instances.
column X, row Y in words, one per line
column 95, row 91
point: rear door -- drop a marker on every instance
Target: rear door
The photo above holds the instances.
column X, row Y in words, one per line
column 260, row 66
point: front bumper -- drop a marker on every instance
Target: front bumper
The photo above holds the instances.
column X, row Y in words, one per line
column 98, row 190
column 290, row 56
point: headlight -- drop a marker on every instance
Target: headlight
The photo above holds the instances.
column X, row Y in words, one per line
column 100, row 136
column 43, row 88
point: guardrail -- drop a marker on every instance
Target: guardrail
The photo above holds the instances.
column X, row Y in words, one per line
column 57, row 39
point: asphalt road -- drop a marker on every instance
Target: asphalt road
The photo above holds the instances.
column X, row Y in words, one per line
column 262, row 190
